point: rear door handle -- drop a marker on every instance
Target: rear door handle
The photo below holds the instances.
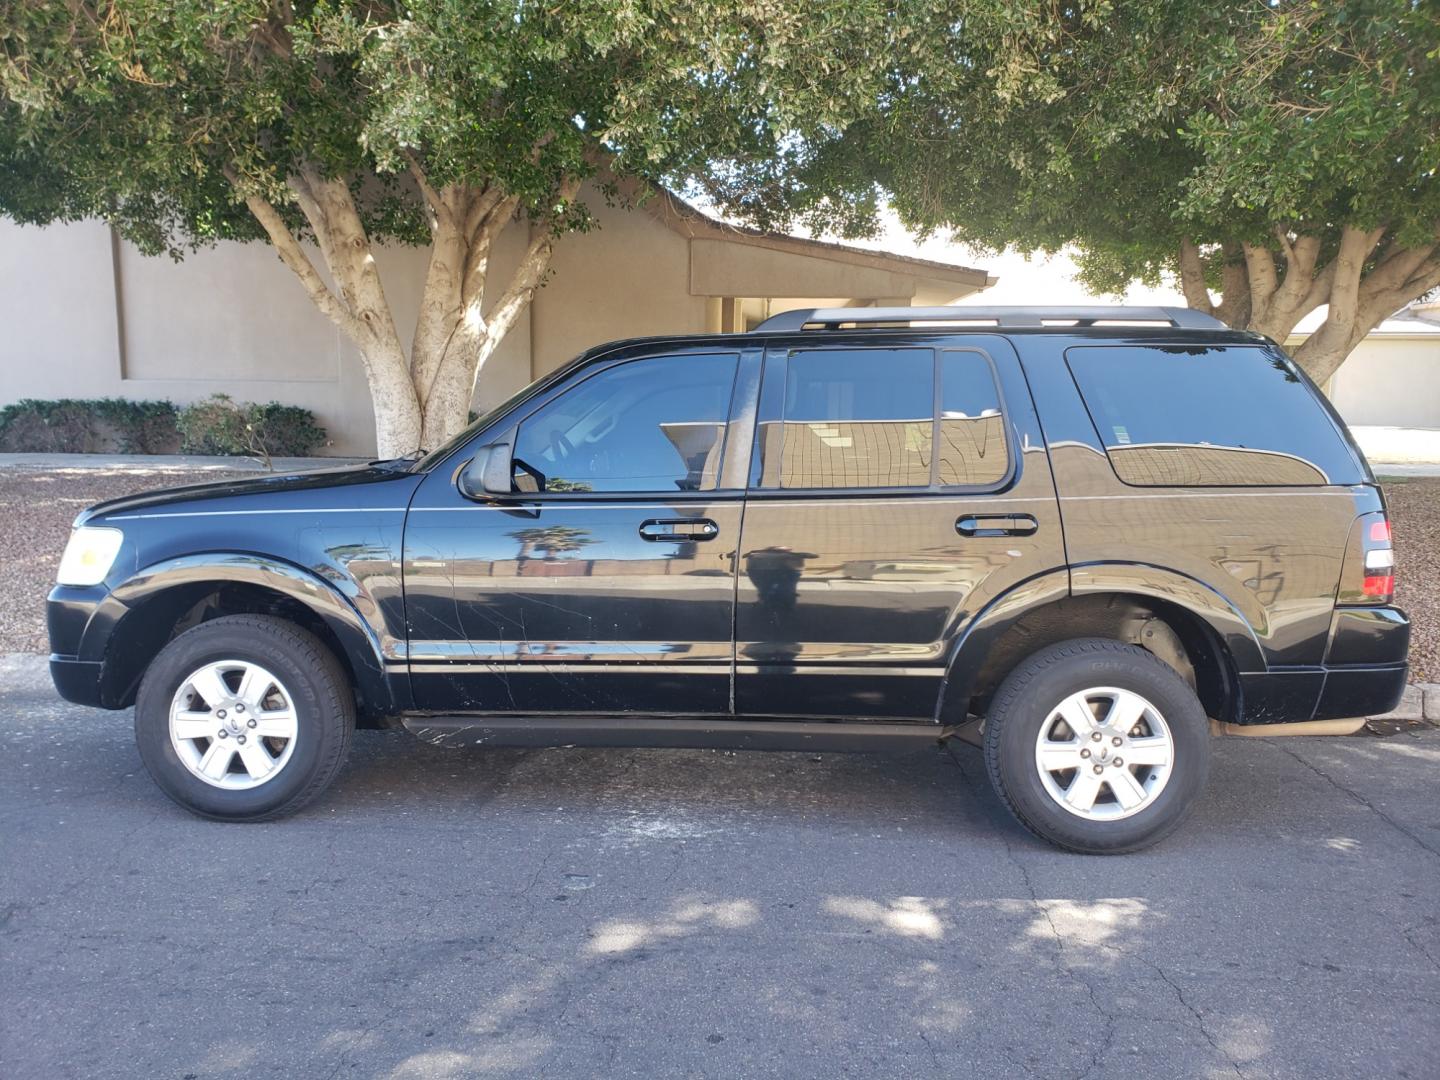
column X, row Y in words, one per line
column 679, row 529
column 996, row 525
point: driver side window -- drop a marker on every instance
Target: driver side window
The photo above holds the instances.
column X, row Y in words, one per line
column 656, row 424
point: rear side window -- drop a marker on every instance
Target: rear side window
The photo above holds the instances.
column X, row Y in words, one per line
column 1209, row 416
column 860, row 418
column 886, row 418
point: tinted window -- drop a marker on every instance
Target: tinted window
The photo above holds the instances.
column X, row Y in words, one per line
column 1191, row 416
column 973, row 452
column 853, row 418
column 649, row 425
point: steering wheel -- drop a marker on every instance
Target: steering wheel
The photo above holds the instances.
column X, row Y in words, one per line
column 562, row 446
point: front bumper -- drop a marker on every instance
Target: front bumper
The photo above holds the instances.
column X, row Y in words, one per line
column 76, row 658
column 77, row 680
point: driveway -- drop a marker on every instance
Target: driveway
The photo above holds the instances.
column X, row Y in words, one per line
column 651, row 914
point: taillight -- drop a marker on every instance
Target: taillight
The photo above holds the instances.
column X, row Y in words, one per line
column 1369, row 573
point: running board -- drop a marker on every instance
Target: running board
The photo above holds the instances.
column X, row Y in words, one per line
column 838, row 736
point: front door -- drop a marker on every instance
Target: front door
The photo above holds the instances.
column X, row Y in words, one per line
column 609, row 586
column 896, row 489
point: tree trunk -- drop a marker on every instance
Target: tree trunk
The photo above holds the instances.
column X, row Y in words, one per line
column 420, row 401
column 396, row 405
column 1360, row 286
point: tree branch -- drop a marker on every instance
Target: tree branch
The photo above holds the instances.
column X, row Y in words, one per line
column 439, row 210
column 1260, row 266
column 1192, row 278
column 528, row 275
column 1349, row 263
column 293, row 256
column 1234, row 306
column 1300, row 258
column 482, row 240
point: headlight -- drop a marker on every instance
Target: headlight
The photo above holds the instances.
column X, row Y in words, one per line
column 89, row 555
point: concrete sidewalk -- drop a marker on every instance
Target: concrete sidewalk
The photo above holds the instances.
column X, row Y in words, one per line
column 1397, row 451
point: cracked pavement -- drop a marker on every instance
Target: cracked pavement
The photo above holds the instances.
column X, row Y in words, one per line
column 649, row 913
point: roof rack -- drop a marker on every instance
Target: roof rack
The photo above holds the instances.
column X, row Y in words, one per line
column 1084, row 315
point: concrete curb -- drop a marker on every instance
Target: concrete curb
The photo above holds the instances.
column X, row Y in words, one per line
column 1421, row 701
column 1430, row 707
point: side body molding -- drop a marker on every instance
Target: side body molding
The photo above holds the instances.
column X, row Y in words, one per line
column 357, row 636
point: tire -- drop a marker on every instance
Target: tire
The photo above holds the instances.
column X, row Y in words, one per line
column 300, row 721
column 1086, row 680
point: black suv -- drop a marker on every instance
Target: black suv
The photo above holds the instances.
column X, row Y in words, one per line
column 1084, row 538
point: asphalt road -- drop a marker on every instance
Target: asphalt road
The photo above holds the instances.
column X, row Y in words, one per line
column 447, row 913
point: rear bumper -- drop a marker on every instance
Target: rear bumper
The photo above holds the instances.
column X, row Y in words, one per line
column 1364, row 673
column 1360, row 691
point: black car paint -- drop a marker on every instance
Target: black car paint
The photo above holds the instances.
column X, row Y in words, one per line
column 873, row 608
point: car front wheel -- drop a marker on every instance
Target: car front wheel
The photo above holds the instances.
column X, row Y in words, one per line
column 244, row 718
column 1097, row 746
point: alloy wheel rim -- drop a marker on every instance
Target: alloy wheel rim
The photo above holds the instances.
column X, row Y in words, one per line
column 1104, row 754
column 233, row 724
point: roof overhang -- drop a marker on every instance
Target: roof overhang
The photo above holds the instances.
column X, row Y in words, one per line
column 734, row 261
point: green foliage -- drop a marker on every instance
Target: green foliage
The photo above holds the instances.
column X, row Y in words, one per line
column 157, row 114
column 217, row 425
column 224, row 427
column 1126, row 126
column 105, row 425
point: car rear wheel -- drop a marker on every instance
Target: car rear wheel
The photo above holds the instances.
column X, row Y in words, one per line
column 1097, row 746
column 244, row 718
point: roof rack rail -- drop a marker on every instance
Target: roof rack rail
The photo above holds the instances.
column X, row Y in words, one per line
column 1083, row 315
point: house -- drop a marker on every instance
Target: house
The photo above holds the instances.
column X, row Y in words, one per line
column 86, row 315
column 1392, row 379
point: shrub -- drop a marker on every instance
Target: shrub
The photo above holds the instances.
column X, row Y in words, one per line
column 99, row 426
column 219, row 425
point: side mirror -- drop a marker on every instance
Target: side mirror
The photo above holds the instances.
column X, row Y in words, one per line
column 489, row 472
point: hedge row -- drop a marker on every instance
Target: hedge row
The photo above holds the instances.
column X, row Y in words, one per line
column 216, row 425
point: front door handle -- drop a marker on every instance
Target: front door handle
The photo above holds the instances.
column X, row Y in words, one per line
column 996, row 525
column 679, row 529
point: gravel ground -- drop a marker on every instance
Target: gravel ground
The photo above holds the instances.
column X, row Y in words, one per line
column 37, row 506
column 1415, row 516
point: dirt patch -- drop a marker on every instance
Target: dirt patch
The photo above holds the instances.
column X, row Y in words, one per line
column 1414, row 504
column 36, row 509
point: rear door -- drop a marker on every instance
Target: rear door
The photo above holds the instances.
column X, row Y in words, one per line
column 896, row 489
column 609, row 588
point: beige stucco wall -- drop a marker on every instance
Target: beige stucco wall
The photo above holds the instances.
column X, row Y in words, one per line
column 85, row 316
column 1390, row 381
column 83, row 319
column 629, row 277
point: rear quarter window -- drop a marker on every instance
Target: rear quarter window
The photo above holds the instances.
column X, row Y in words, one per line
column 1210, row 416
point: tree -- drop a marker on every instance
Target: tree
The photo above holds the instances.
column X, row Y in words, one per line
column 1282, row 154
column 437, row 122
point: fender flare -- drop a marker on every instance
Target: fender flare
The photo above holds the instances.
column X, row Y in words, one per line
column 1229, row 624
column 357, row 637
column 971, row 648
